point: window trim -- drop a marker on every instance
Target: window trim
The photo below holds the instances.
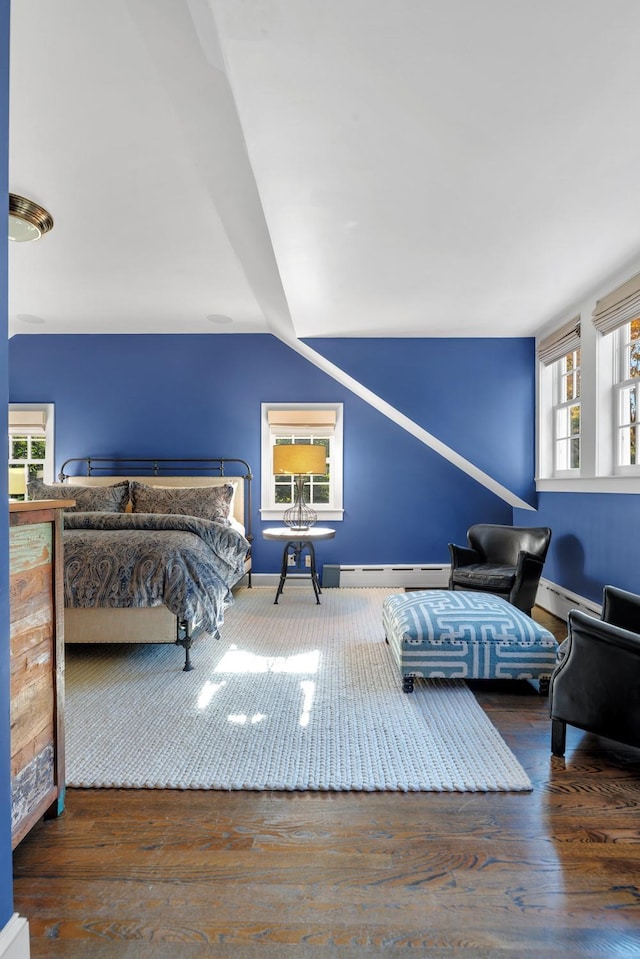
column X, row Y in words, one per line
column 332, row 511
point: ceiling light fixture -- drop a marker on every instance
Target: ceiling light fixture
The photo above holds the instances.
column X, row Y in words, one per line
column 27, row 220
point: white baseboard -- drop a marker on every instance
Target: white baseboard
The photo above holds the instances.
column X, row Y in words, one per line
column 555, row 599
column 14, row 939
column 421, row 575
column 426, row 577
column 559, row 601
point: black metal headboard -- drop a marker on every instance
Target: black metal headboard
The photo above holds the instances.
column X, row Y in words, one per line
column 144, row 466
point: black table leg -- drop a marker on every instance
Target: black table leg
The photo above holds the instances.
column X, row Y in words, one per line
column 283, row 571
column 298, row 549
column 314, row 575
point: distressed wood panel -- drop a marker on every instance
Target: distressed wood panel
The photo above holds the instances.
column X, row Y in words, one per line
column 31, row 714
column 29, row 589
column 30, row 665
column 32, row 785
column 37, row 664
column 30, row 546
column 33, row 747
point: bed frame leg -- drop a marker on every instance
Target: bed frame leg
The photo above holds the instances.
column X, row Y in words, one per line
column 188, row 665
column 184, row 639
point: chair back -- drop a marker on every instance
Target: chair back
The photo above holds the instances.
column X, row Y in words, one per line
column 502, row 544
column 621, row 608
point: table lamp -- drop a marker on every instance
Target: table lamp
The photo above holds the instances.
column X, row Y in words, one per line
column 17, row 482
column 300, row 460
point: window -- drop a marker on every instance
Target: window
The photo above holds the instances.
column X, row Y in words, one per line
column 589, row 396
column 316, row 423
column 559, row 450
column 627, row 396
column 566, row 413
column 30, row 446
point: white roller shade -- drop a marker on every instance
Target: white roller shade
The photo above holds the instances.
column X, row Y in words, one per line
column 310, row 418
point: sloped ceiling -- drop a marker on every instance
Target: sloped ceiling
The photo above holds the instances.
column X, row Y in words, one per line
column 322, row 167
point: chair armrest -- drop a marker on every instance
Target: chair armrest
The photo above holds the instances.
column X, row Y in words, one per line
column 463, row 556
column 525, row 587
column 595, row 686
column 530, row 562
column 586, row 633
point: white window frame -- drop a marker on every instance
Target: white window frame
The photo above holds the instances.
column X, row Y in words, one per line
column 623, row 383
column 47, row 409
column 561, row 410
column 598, row 396
column 269, row 509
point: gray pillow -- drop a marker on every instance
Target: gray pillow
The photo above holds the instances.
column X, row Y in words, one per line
column 205, row 502
column 89, row 499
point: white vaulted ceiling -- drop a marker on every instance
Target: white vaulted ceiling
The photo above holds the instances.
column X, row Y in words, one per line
column 322, row 167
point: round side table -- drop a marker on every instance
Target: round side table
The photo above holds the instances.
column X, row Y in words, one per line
column 296, row 541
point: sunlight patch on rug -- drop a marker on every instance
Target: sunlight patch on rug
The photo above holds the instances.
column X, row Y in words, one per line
column 292, row 697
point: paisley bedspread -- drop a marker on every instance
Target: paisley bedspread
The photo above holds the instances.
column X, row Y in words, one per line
column 149, row 559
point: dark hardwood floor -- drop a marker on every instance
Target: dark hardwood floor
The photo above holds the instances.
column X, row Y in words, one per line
column 551, row 873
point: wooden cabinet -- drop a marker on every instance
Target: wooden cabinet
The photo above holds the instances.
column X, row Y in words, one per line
column 37, row 662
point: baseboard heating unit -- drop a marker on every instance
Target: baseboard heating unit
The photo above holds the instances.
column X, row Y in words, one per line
column 427, row 576
column 559, row 601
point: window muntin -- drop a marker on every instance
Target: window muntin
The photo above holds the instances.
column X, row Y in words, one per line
column 566, row 413
column 627, row 397
column 27, row 457
column 317, row 489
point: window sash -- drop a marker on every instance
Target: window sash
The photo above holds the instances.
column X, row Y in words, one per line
column 567, row 414
column 314, row 486
column 625, row 407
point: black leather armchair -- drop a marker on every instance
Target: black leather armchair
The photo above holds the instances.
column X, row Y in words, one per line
column 505, row 560
column 596, row 684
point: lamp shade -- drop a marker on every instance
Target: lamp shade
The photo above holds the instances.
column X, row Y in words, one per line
column 298, row 458
column 17, row 481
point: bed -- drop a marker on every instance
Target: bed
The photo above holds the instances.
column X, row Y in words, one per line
column 153, row 547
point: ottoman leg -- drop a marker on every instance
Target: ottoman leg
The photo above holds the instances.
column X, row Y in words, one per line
column 407, row 684
column 543, row 685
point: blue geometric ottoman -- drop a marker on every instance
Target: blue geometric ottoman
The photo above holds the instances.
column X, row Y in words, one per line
column 465, row 635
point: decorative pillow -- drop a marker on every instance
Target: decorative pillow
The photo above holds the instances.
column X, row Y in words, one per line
column 89, row 499
column 205, row 502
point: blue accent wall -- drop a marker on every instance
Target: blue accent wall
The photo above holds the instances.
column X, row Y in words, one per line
column 200, row 395
column 596, row 540
column 469, row 393
column 6, row 866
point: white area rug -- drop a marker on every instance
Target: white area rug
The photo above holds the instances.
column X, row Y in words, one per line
column 294, row 696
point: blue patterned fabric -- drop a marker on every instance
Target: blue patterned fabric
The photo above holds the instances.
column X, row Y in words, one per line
column 103, row 499
column 465, row 635
column 208, row 502
column 143, row 559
